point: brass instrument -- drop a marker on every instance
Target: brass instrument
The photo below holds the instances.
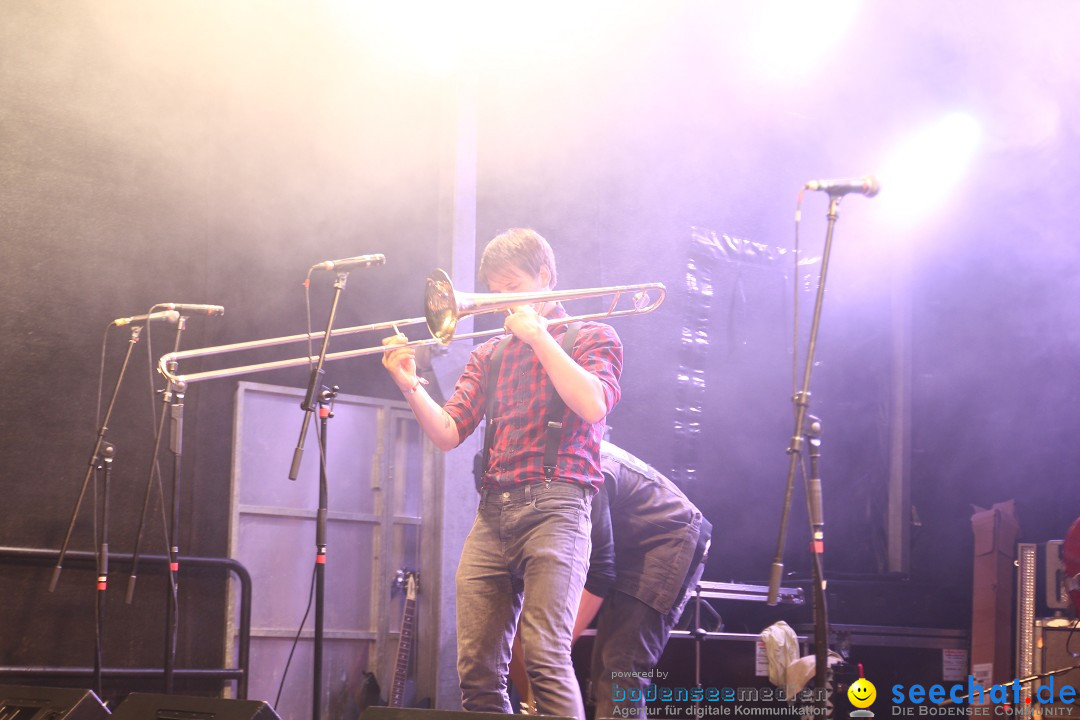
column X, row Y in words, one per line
column 444, row 308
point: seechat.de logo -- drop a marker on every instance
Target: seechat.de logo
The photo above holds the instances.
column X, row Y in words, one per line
column 862, row 694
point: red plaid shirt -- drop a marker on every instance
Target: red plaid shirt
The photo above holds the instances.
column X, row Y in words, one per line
column 522, row 391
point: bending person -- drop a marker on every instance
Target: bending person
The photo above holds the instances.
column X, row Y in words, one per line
column 650, row 544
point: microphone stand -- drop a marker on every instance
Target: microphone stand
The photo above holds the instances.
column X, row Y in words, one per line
column 699, row 635
column 326, row 411
column 309, row 403
column 107, row 452
column 172, row 407
column 172, row 609
column 94, row 456
column 801, row 400
column 817, row 532
column 308, row 406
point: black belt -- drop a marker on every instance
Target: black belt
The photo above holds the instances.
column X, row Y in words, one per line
column 524, row 491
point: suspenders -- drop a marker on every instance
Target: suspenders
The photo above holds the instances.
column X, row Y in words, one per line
column 556, row 408
column 489, row 428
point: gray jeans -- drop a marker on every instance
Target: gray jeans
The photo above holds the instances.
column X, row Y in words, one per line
column 527, row 554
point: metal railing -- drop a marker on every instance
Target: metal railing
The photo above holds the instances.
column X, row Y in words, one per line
column 148, row 564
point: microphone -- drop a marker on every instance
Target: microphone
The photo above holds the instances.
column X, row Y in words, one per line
column 867, row 186
column 352, row 262
column 170, row 315
column 188, row 307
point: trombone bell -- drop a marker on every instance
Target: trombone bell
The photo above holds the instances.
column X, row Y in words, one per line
column 440, row 307
column 444, row 306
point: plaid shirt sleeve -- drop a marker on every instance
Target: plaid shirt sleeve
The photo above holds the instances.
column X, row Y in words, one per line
column 467, row 405
column 599, row 350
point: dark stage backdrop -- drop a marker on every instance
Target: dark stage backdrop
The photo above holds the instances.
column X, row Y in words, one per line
column 620, row 166
column 137, row 169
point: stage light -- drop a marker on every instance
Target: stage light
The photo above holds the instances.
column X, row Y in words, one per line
column 441, row 37
column 787, row 39
column 919, row 175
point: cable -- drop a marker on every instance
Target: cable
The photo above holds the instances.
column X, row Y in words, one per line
column 150, row 368
column 101, row 379
column 155, row 472
column 795, row 299
column 156, row 469
column 307, row 313
column 296, row 640
column 98, row 650
column 1068, row 640
column 311, row 365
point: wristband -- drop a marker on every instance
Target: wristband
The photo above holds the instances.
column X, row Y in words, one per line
column 415, row 387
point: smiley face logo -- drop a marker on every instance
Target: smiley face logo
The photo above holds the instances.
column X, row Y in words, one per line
column 862, row 693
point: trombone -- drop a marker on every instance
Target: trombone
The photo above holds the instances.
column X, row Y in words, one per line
column 444, row 308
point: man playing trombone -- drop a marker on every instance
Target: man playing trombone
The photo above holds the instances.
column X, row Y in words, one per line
column 546, row 388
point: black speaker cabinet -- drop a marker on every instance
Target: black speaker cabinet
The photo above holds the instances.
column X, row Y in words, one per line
column 388, row 713
column 18, row 702
column 147, row 706
column 1052, row 652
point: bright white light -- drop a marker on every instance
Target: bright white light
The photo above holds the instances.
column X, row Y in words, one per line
column 922, row 171
column 442, row 36
column 786, row 40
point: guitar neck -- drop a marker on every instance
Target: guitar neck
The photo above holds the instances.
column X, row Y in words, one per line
column 401, row 666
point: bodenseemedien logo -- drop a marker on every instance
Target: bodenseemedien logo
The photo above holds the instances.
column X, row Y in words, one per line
column 666, row 702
